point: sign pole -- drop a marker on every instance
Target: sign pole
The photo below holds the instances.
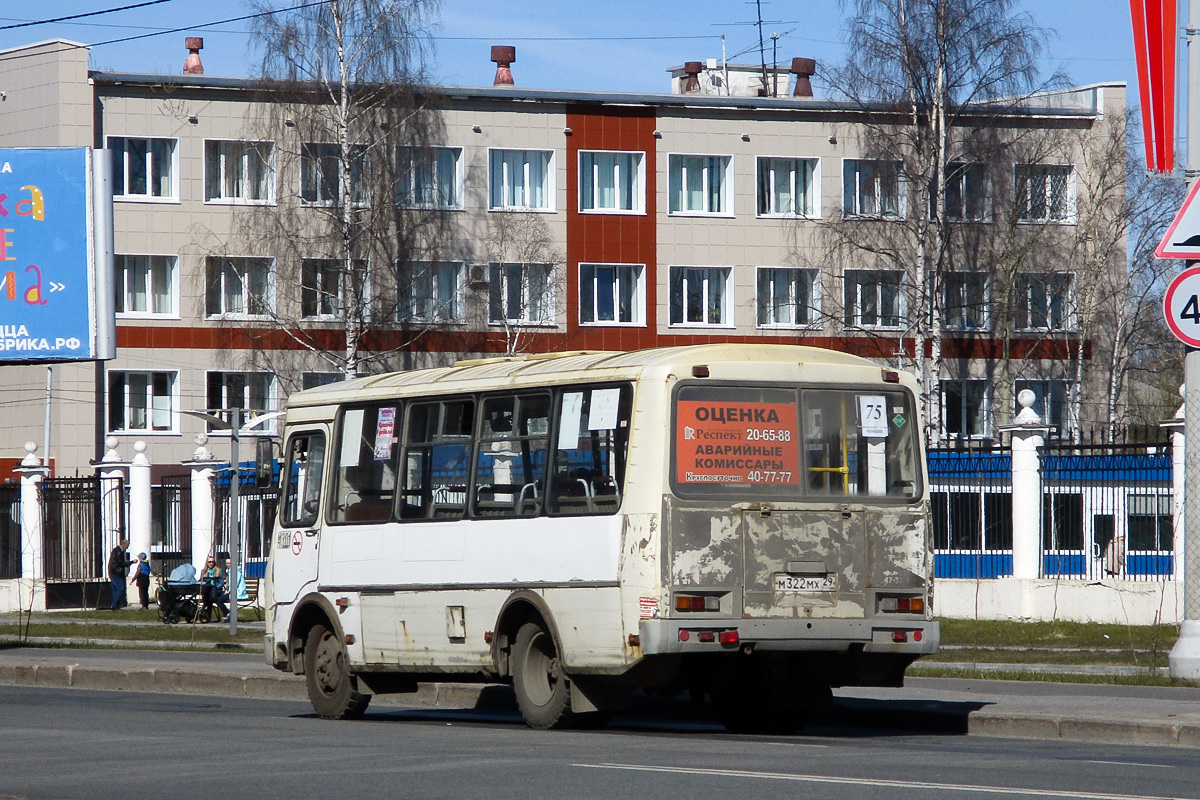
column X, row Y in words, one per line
column 1184, row 660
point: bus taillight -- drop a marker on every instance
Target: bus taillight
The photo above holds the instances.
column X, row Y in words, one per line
column 697, row 602
column 902, row 605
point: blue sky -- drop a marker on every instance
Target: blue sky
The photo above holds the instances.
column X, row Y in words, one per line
column 597, row 45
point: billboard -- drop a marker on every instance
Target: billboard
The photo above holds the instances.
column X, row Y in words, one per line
column 56, row 301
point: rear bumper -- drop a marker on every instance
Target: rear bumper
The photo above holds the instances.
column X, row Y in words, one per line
column 896, row 635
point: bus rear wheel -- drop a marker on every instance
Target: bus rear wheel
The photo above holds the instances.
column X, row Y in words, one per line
column 332, row 690
column 541, row 686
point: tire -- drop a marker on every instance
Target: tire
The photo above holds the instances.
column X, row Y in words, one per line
column 332, row 690
column 539, row 682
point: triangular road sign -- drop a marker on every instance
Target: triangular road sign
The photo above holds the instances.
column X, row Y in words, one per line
column 1182, row 239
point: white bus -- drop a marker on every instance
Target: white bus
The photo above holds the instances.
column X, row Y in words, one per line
column 743, row 520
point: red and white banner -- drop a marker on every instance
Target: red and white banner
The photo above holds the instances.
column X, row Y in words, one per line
column 1154, row 37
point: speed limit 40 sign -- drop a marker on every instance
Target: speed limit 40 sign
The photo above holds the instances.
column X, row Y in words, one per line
column 1181, row 306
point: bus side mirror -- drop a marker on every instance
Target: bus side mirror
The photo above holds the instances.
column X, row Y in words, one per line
column 264, row 462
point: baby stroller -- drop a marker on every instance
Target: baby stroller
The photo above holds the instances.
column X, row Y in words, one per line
column 177, row 596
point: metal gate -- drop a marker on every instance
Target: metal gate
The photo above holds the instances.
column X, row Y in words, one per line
column 74, row 545
column 10, row 532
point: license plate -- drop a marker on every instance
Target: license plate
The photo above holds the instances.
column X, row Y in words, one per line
column 805, row 583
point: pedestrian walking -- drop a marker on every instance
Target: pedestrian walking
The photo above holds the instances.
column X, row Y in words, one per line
column 118, row 568
column 141, row 576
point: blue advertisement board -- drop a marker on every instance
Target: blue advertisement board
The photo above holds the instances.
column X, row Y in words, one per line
column 48, row 256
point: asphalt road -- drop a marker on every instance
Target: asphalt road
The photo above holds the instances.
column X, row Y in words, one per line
column 84, row 744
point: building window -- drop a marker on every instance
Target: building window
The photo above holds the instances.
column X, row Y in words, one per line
column 145, row 285
column 612, row 294
column 1151, row 527
column 786, row 297
column 786, row 187
column 611, row 182
column 701, row 296
column 964, row 408
column 521, row 294
column 432, row 292
column 321, row 171
column 143, row 169
column 873, row 298
column 967, row 193
column 699, row 184
column 311, row 380
column 1050, row 402
column 521, row 180
column 1044, row 302
column 252, row 392
column 321, row 289
column 431, row 177
column 1044, row 193
column 238, row 287
column 964, row 301
column 141, row 401
column 238, row 172
column 871, row 188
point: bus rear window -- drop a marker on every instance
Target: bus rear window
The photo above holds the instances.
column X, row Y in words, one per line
column 787, row 443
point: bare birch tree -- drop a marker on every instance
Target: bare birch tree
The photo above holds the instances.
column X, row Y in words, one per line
column 933, row 77
column 346, row 105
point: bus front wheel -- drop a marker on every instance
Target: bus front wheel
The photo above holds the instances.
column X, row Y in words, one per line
column 331, row 688
column 538, row 679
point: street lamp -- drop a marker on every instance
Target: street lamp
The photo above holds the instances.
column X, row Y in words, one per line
column 236, row 429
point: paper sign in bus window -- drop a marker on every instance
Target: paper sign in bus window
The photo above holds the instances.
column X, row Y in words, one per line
column 568, row 424
column 352, row 425
column 872, row 415
column 602, row 415
column 385, row 434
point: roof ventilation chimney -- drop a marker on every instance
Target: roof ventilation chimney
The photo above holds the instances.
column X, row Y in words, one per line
column 504, row 55
column 803, row 69
column 192, row 65
column 693, row 70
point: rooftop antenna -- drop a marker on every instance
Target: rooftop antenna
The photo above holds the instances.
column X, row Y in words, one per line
column 762, row 51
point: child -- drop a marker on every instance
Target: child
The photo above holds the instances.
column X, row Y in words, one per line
column 141, row 576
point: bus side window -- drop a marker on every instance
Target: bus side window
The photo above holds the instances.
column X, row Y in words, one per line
column 589, row 453
column 302, row 479
column 436, row 461
column 366, row 465
column 510, row 464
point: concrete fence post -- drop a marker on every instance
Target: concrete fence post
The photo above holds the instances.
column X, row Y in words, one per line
column 33, row 530
column 204, row 500
column 140, row 514
column 1028, row 435
column 1178, row 460
column 111, row 470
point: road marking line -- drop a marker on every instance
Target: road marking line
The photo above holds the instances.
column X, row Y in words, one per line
column 1131, row 764
column 951, row 787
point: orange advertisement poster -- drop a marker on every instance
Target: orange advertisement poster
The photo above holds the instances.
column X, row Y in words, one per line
column 740, row 443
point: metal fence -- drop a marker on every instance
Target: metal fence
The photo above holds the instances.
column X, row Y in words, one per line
column 971, row 511
column 171, row 515
column 258, row 516
column 1107, row 511
column 74, row 545
column 10, row 532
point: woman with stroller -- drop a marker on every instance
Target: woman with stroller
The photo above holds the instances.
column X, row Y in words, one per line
column 212, row 592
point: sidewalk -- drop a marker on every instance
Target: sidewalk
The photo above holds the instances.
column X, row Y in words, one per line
column 1027, row 710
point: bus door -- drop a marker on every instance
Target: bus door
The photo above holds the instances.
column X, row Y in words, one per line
column 294, row 561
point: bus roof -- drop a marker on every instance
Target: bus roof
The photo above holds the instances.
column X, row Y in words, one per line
column 534, row 369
